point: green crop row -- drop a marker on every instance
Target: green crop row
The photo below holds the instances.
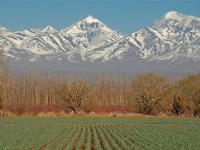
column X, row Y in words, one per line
column 99, row 136
column 86, row 120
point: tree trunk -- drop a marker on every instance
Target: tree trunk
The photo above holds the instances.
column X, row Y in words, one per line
column 177, row 108
column 1, row 113
column 74, row 109
column 196, row 112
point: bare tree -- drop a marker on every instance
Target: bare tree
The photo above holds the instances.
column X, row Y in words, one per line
column 74, row 92
column 179, row 96
column 149, row 90
column 193, row 92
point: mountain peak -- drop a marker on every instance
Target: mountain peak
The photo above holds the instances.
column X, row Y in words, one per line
column 47, row 27
column 47, row 30
column 172, row 18
column 90, row 16
column 90, row 19
column 84, row 25
column 3, row 30
column 174, row 15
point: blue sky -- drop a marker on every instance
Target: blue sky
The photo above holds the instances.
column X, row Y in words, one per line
column 125, row 16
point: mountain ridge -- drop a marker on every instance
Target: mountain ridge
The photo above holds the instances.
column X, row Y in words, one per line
column 174, row 38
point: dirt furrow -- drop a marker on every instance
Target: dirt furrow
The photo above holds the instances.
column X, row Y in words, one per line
column 107, row 138
column 78, row 137
column 69, row 139
column 84, row 141
column 43, row 146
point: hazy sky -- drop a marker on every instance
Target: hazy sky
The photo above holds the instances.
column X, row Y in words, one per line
column 125, row 16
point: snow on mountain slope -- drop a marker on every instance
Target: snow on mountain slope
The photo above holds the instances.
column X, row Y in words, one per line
column 78, row 39
column 182, row 32
column 171, row 18
column 175, row 36
column 46, row 30
column 36, row 32
column 19, row 38
column 3, row 30
column 81, row 37
column 27, row 32
column 142, row 44
column 90, row 33
column 84, row 25
column 120, row 49
column 151, row 42
column 173, row 25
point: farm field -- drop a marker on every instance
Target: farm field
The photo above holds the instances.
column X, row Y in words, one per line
column 99, row 133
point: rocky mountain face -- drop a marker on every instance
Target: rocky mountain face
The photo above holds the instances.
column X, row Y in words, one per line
column 171, row 45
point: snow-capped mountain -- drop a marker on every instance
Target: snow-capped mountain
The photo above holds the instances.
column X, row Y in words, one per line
column 175, row 36
column 173, row 39
column 182, row 33
column 89, row 34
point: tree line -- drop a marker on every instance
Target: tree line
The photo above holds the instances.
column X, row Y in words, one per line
column 146, row 91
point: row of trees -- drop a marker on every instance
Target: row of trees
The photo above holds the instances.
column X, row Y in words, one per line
column 146, row 91
column 151, row 91
column 4, row 78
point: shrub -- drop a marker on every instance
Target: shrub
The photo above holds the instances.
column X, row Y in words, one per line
column 19, row 111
